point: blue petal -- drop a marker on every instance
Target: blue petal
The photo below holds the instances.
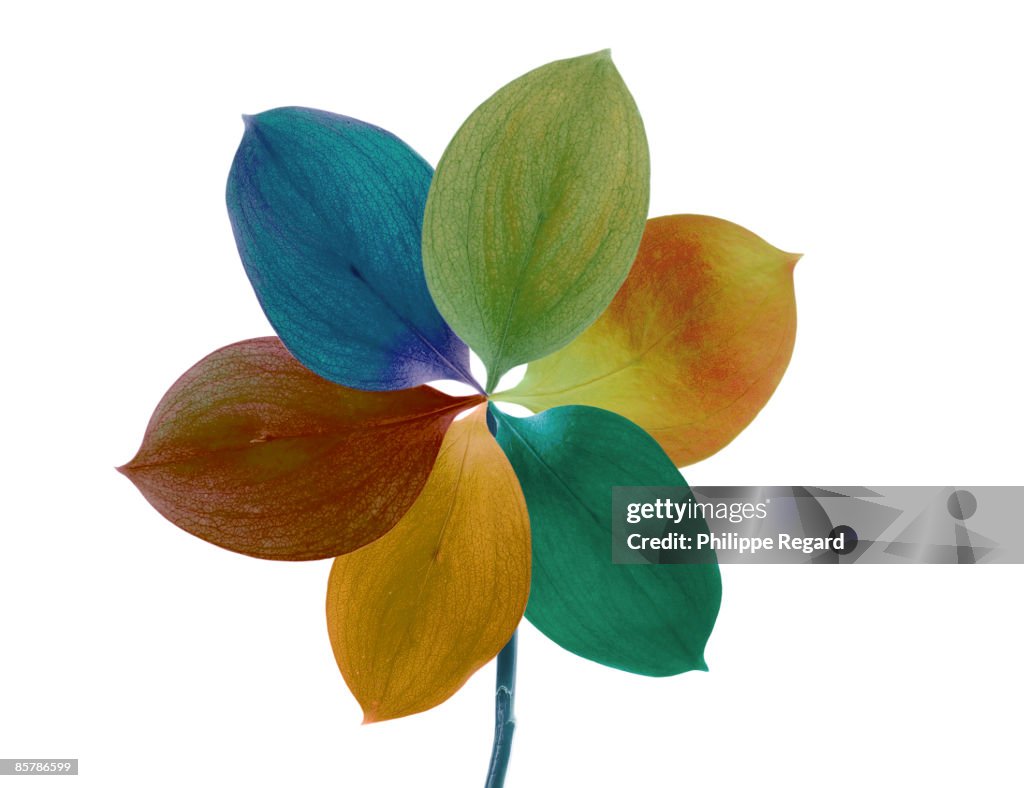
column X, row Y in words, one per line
column 327, row 213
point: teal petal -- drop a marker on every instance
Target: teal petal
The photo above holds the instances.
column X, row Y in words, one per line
column 328, row 215
column 652, row 619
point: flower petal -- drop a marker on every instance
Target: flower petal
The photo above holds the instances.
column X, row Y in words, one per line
column 536, row 211
column 693, row 345
column 253, row 452
column 652, row 619
column 412, row 616
column 328, row 214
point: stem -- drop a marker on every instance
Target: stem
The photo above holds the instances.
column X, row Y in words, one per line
column 504, row 714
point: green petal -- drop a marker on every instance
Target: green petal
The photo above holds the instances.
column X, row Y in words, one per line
column 652, row 619
column 536, row 210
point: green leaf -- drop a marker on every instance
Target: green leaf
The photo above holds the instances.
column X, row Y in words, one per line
column 536, row 211
column 652, row 619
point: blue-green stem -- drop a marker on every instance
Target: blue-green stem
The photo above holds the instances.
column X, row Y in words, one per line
column 504, row 714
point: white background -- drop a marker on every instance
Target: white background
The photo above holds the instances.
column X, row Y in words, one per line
column 881, row 140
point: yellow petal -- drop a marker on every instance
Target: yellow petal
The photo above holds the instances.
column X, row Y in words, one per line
column 412, row 616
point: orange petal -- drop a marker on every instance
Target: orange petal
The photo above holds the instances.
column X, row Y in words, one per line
column 693, row 344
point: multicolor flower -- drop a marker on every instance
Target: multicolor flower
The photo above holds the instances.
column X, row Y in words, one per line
column 650, row 345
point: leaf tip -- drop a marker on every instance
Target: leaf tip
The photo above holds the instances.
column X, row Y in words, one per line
column 603, row 57
column 372, row 713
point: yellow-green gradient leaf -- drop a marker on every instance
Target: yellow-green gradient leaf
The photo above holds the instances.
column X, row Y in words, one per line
column 692, row 346
column 536, row 210
column 253, row 452
column 412, row 616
